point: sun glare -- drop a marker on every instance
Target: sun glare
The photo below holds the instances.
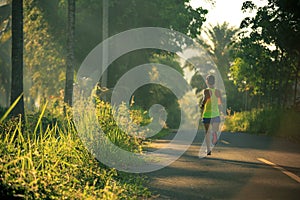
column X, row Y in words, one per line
column 225, row 11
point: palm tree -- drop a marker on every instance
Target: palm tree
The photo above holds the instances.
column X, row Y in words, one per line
column 218, row 43
column 70, row 54
column 17, row 57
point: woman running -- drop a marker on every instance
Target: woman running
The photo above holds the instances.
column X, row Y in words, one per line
column 211, row 106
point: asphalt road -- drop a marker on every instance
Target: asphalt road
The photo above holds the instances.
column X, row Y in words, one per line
column 242, row 166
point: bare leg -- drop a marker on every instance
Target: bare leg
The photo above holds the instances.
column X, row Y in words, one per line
column 207, row 137
column 215, row 129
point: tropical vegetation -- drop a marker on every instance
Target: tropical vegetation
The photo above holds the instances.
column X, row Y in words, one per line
column 43, row 43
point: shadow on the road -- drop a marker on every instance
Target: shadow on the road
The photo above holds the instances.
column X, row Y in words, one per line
column 259, row 142
column 213, row 178
column 210, row 161
column 222, row 178
column 243, row 140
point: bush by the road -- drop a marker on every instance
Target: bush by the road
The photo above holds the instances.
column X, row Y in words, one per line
column 277, row 122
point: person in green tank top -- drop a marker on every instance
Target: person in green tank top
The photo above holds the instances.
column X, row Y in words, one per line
column 211, row 107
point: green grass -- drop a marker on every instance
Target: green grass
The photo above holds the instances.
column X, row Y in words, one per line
column 47, row 160
column 275, row 122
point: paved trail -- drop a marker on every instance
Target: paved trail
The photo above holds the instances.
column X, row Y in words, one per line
column 241, row 166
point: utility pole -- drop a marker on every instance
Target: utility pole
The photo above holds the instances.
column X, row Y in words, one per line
column 105, row 47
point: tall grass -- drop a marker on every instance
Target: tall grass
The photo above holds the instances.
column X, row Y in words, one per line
column 50, row 162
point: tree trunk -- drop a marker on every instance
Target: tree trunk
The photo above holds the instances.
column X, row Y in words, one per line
column 296, row 83
column 17, row 57
column 70, row 53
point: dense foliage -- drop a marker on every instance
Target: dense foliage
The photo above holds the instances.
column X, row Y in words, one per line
column 45, row 47
column 273, row 122
column 267, row 60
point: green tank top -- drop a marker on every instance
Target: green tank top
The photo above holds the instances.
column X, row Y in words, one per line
column 211, row 108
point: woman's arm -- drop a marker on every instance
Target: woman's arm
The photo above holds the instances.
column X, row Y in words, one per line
column 219, row 96
column 204, row 99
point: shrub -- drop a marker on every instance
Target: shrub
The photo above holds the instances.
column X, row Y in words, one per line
column 280, row 122
column 124, row 132
column 254, row 121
